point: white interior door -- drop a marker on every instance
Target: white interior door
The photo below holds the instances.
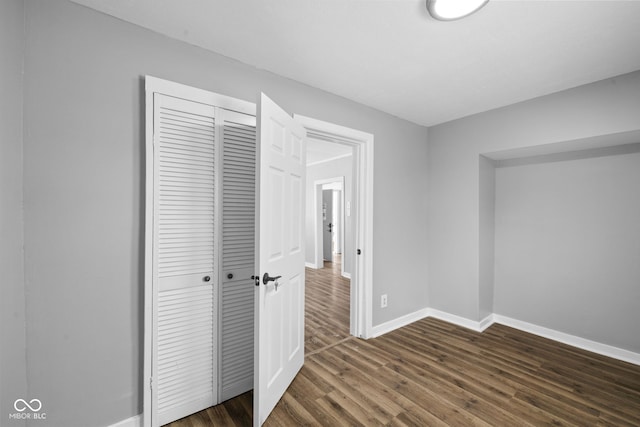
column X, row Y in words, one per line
column 279, row 295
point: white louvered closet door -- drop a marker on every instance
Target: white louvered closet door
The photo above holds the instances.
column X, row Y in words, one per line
column 238, row 252
column 184, row 367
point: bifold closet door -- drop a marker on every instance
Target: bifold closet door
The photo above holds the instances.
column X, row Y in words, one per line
column 184, row 366
column 238, row 136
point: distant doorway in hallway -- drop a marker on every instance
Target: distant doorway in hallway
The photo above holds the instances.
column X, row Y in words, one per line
column 334, row 223
column 328, row 225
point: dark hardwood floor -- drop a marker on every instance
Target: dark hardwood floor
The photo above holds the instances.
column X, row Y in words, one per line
column 432, row 373
column 326, row 307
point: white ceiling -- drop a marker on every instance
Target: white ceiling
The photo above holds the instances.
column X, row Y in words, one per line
column 390, row 55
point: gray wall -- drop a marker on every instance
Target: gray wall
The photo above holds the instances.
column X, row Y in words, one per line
column 83, row 175
column 568, row 244
column 12, row 300
column 602, row 108
column 335, row 168
column 487, row 197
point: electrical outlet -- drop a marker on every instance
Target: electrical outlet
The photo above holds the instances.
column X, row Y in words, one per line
column 383, row 301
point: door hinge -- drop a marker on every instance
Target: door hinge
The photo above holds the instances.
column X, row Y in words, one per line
column 151, row 383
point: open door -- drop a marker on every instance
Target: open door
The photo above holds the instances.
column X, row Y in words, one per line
column 280, row 281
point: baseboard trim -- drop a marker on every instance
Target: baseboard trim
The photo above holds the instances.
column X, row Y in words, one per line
column 346, row 275
column 311, row 265
column 486, row 322
column 572, row 340
column 401, row 321
column 135, row 421
column 462, row 321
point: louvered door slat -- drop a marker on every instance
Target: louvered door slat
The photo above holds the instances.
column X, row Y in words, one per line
column 184, row 250
column 238, row 247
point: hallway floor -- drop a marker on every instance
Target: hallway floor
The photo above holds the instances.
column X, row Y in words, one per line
column 326, row 307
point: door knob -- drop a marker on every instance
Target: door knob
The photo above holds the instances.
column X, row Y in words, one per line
column 266, row 278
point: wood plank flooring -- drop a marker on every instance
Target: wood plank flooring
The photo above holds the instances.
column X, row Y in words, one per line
column 432, row 373
column 326, row 307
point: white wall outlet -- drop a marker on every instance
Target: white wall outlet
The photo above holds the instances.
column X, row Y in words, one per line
column 383, row 300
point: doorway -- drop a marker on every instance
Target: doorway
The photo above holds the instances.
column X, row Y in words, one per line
column 329, row 224
column 359, row 208
column 330, row 220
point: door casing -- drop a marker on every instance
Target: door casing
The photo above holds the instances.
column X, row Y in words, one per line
column 362, row 211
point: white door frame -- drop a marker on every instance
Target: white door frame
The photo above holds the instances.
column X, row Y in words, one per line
column 317, row 220
column 362, row 210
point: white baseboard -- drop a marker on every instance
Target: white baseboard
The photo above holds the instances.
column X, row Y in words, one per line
column 486, row 322
column 572, row 340
column 311, row 265
column 346, row 275
column 462, row 321
column 135, row 421
column 405, row 320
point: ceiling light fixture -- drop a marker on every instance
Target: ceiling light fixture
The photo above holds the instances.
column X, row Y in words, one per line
column 449, row 10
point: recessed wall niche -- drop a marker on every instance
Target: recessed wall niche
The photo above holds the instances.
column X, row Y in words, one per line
column 560, row 237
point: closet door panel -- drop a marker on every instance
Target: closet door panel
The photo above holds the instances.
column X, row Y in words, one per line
column 238, row 250
column 185, row 344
